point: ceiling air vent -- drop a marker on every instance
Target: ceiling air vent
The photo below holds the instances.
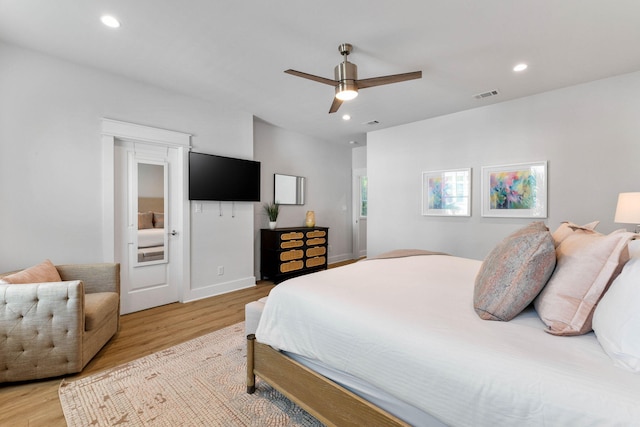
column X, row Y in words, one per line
column 372, row 122
column 486, row 94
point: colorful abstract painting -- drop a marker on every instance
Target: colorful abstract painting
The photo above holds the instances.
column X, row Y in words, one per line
column 435, row 193
column 446, row 193
column 512, row 190
column 518, row 191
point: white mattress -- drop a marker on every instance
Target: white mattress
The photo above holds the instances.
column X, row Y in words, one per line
column 150, row 237
column 407, row 326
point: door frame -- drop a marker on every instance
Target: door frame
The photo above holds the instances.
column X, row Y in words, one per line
column 113, row 130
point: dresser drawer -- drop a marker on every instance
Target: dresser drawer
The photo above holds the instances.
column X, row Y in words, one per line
column 291, row 255
column 291, row 244
column 317, row 241
column 316, row 233
column 294, row 235
column 316, row 251
column 287, row 267
column 316, row 261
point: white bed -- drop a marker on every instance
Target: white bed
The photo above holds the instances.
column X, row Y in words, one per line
column 150, row 244
column 407, row 326
column 150, row 237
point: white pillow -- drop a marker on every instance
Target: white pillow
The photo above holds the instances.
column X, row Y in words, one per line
column 616, row 319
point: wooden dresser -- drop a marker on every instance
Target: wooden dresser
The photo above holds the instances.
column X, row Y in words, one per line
column 289, row 252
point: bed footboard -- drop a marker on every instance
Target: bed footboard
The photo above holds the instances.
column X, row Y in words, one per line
column 329, row 402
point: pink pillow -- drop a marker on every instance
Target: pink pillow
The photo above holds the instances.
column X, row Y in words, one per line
column 587, row 263
column 145, row 220
column 514, row 272
column 41, row 273
column 158, row 220
column 567, row 228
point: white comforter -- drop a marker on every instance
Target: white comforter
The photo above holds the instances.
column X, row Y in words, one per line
column 407, row 326
column 150, row 237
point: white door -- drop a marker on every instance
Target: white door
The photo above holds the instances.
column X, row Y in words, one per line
column 360, row 202
column 148, row 214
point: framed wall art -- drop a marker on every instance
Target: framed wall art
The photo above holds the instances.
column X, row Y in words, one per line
column 515, row 191
column 446, row 192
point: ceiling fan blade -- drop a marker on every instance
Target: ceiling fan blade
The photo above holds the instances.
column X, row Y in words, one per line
column 312, row 77
column 385, row 80
column 335, row 105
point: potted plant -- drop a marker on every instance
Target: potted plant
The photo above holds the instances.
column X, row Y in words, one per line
column 272, row 210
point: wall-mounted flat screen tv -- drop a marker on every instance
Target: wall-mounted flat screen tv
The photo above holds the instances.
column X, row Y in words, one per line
column 223, row 178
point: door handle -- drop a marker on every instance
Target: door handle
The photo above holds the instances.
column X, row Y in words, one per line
column 173, row 232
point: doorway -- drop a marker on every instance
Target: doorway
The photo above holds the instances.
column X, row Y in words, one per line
column 150, row 231
column 359, row 193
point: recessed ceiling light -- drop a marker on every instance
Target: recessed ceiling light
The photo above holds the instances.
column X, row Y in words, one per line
column 346, row 117
column 520, row 67
column 110, row 21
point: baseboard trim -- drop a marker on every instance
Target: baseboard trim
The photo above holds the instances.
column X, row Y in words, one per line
column 219, row 288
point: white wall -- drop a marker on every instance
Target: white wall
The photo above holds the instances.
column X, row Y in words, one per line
column 50, row 164
column 327, row 169
column 359, row 158
column 589, row 133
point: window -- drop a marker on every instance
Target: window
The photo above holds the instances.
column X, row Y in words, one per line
column 363, row 196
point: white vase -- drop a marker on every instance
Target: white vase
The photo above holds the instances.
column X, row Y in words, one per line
column 272, row 225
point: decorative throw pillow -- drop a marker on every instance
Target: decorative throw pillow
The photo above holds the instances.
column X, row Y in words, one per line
column 158, row 220
column 514, row 272
column 616, row 319
column 567, row 228
column 587, row 263
column 145, row 220
column 41, row 273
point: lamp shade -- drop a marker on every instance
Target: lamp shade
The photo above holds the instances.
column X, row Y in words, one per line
column 628, row 209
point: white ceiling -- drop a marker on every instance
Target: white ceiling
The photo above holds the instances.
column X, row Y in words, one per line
column 236, row 51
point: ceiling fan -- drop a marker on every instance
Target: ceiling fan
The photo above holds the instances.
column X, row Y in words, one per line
column 346, row 79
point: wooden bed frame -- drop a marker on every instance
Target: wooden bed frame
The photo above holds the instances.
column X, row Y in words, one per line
column 329, row 402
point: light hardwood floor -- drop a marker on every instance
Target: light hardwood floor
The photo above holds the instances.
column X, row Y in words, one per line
column 36, row 403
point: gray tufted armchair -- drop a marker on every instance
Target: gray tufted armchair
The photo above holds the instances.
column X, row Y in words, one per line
column 52, row 329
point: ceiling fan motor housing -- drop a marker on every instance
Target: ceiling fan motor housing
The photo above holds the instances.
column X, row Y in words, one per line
column 346, row 74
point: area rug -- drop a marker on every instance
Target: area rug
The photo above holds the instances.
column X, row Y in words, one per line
column 198, row 383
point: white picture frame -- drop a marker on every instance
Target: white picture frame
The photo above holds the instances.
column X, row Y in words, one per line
column 446, row 192
column 514, row 191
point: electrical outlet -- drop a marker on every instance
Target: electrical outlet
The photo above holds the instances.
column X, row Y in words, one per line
column 220, row 270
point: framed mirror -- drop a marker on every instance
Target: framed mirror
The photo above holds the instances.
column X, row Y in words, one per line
column 288, row 189
column 151, row 238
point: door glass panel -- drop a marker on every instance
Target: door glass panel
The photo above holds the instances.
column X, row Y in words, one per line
column 151, row 241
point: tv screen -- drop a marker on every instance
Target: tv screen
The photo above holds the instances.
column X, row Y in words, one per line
column 223, row 178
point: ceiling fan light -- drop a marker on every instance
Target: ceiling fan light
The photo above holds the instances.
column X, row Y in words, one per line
column 346, row 91
column 346, row 95
column 110, row 21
